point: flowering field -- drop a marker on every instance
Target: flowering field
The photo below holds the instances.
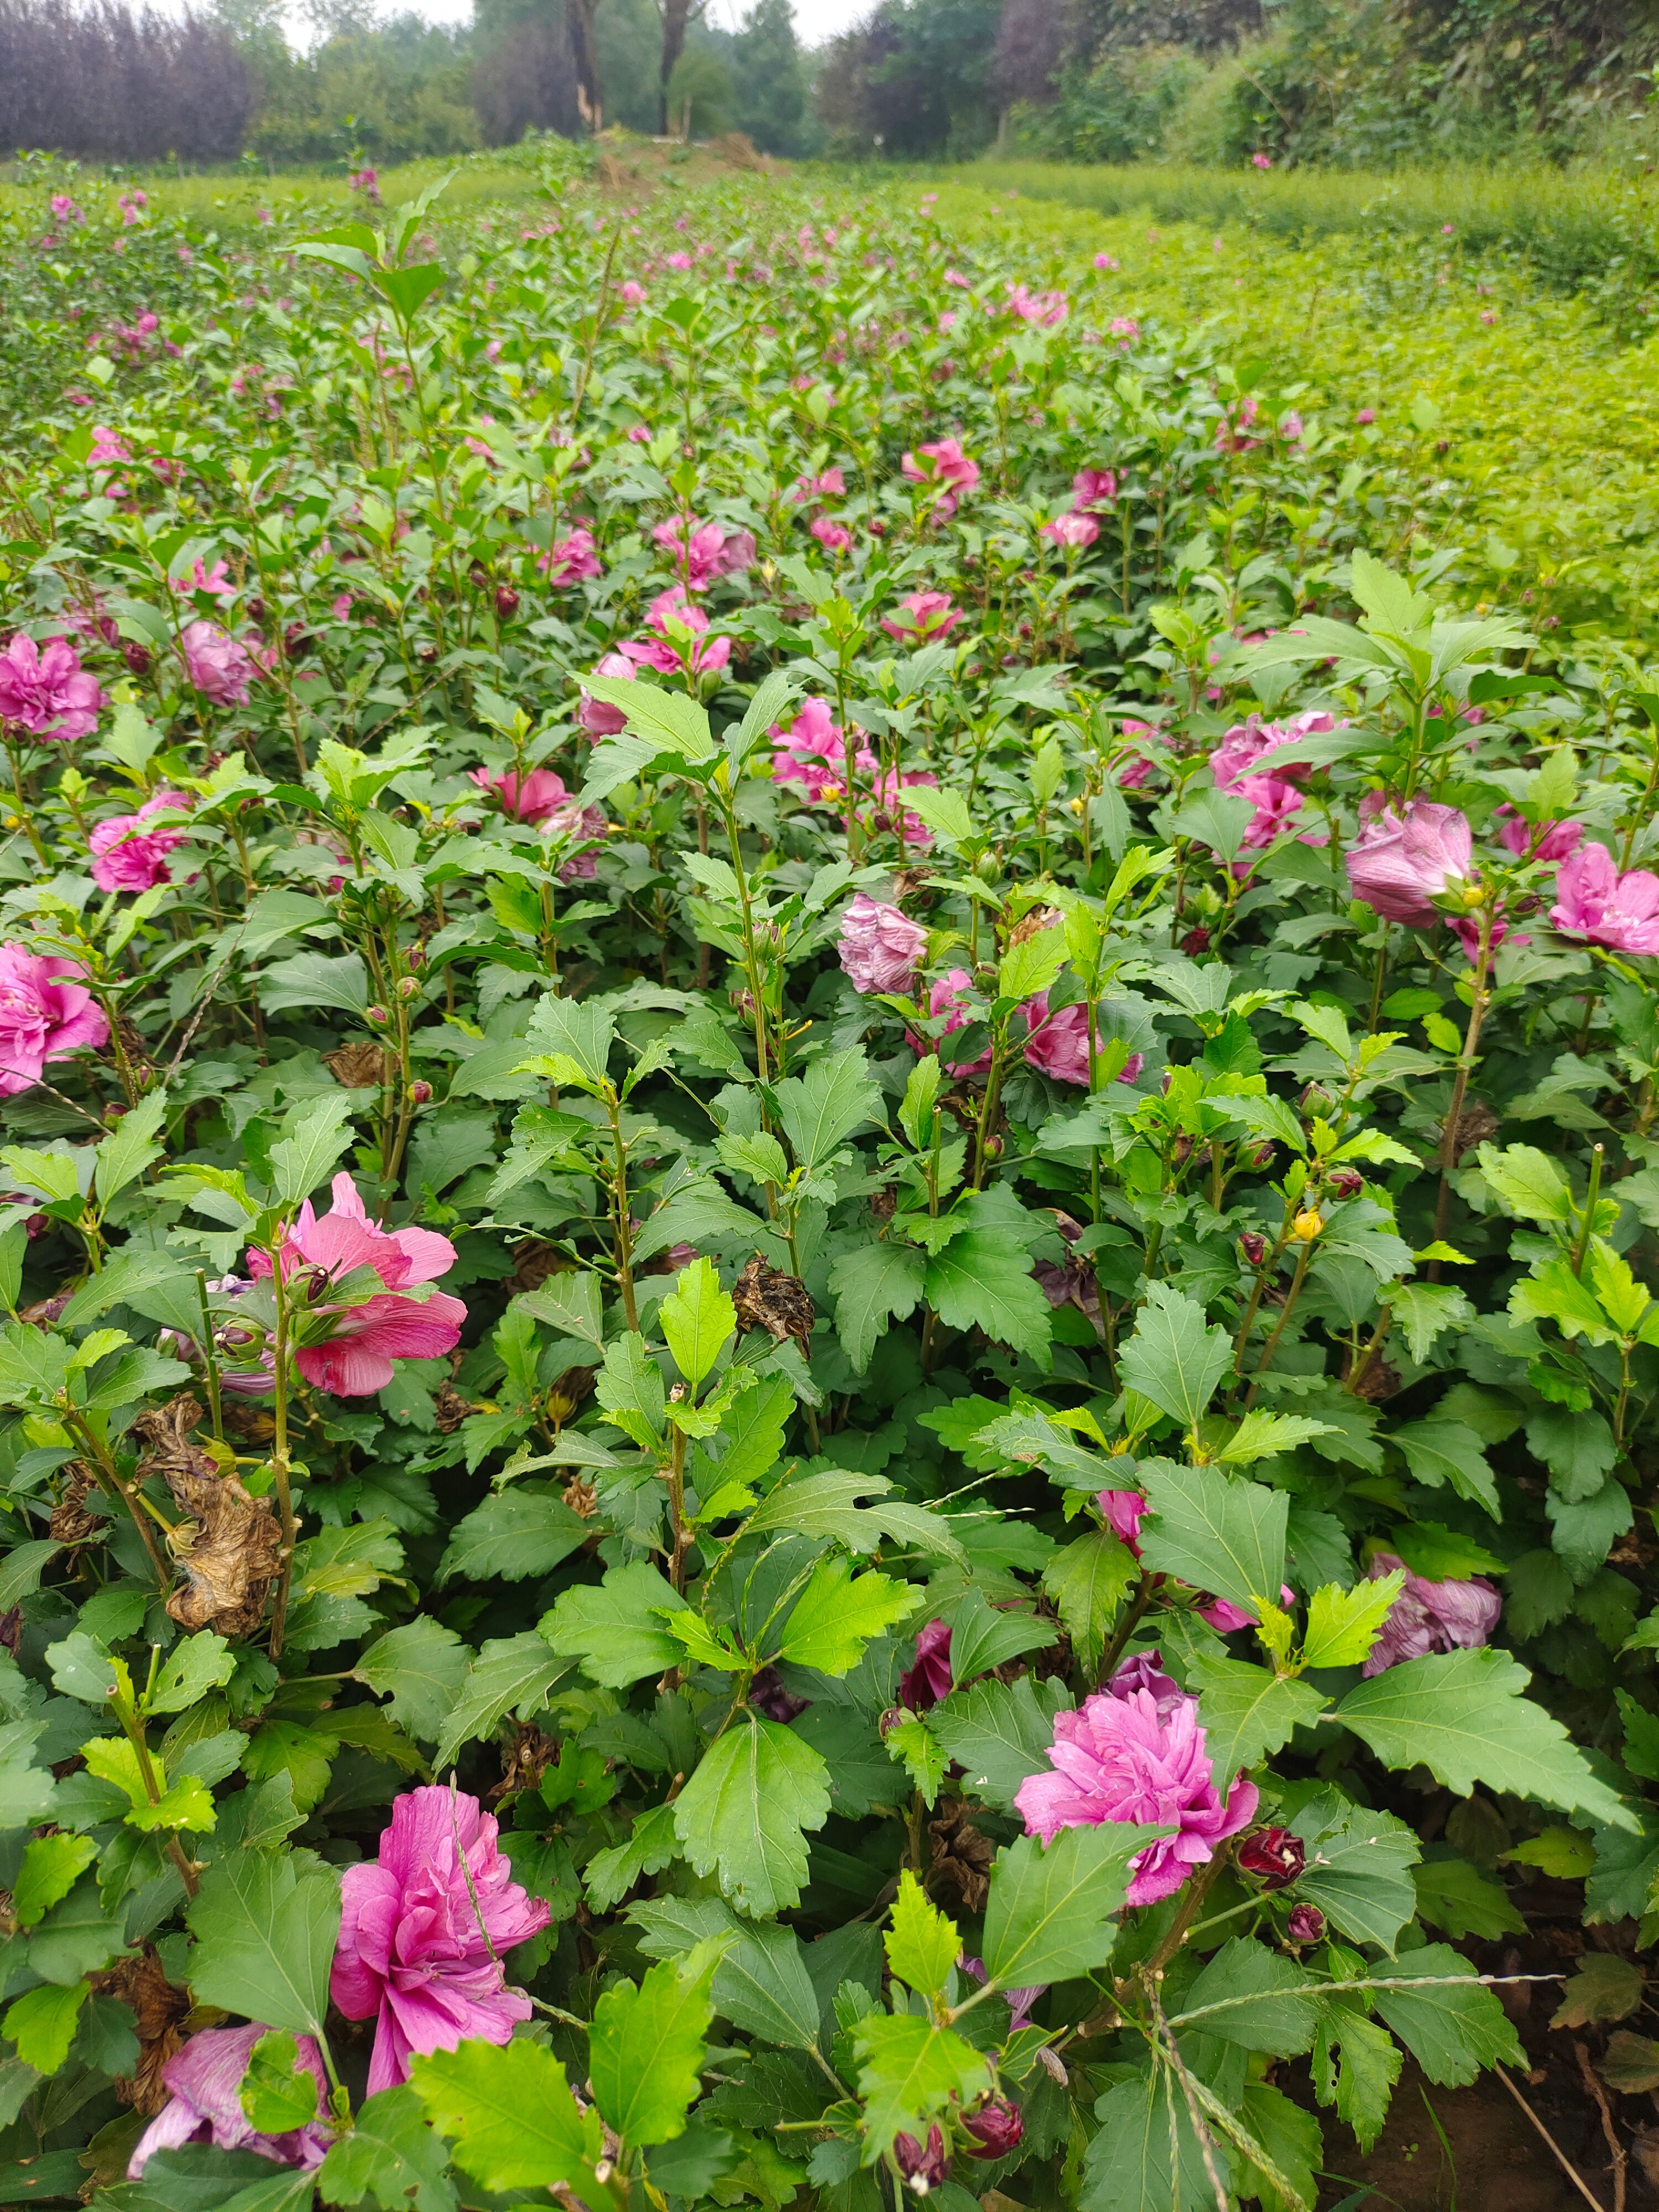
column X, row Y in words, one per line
column 828, row 1173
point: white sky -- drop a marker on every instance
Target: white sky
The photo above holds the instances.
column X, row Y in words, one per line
column 814, row 20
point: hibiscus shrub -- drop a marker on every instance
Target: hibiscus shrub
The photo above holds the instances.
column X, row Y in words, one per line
column 829, row 1178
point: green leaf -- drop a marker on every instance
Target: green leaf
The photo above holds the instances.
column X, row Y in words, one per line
column 1000, row 1732
column 908, row 2071
column 744, row 1812
column 824, row 1506
column 1358, row 1869
column 1458, row 1899
column 509, row 2110
column 1356, row 2065
column 264, row 1928
column 911, row 1743
column 513, row 1534
column 982, row 1279
column 511, row 1675
column 761, row 1983
column 1439, row 1452
column 1605, row 1987
column 923, row 1943
column 1247, row 1713
column 1088, row 1581
column 1343, row 1624
column 818, row 1112
column 1255, row 1997
column 81, row 1668
column 579, row 1030
column 51, row 1866
column 1217, row 1532
column 650, row 1845
column 630, row 1389
column 194, row 1665
column 613, row 1629
column 130, row 1147
column 1049, row 1915
column 836, row 1616
column 671, row 721
column 874, row 1285
column 1175, row 1357
column 1264, row 1436
column 42, row 2024
column 1146, row 2155
column 1032, row 965
column 645, row 2047
column 419, row 1669
column 316, row 1135
column 277, row 2092
column 1453, row 2025
column 391, row 2159
column 698, row 1321
column 1564, row 1853
column 1527, row 1182
column 1462, row 1714
column 1293, row 2141
column 984, row 1637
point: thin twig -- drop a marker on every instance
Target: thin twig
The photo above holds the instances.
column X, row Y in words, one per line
column 1593, row 2082
column 1565, row 2163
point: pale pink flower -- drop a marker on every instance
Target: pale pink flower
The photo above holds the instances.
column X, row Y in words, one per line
column 1071, row 529
column 1046, row 309
column 831, row 483
column 1126, row 328
column 1593, row 900
column 1428, row 1616
column 423, row 1931
column 1261, row 162
column 1128, row 1759
column 1399, row 862
column 957, row 281
column 1366, row 415
column 942, row 463
column 205, row 2106
column 880, row 948
column 1093, row 489
column 1556, row 839
column 109, row 449
column 594, row 715
column 834, row 537
column 127, row 856
column 1106, row 261
column 64, row 208
column 44, row 1014
column 1250, row 740
column 1059, row 1043
column 631, row 292
column 220, row 668
column 46, row 691
column 926, row 616
column 571, row 560
column 349, row 1350
column 814, row 754
column 216, row 581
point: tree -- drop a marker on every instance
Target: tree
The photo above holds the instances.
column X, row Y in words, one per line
column 677, row 15
column 770, row 83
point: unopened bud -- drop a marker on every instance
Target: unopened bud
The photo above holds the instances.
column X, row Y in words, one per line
column 137, row 658
column 257, row 609
column 407, row 986
column 1315, row 1101
column 1252, row 1248
column 1259, row 1155
column 1306, row 1925
column 506, row 602
column 376, row 1015
column 420, row 1093
column 1308, row 1226
column 1346, row 1184
column 416, row 955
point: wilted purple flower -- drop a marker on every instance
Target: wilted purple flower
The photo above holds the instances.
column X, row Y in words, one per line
column 923, row 2169
column 1018, row 2001
column 997, row 2127
column 928, row 1678
column 1125, row 1758
column 1431, row 1616
column 881, row 949
column 205, row 2078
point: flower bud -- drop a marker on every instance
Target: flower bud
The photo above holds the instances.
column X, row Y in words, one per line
column 1274, row 1856
column 1252, row 1248
column 478, row 576
column 1259, row 1155
column 308, row 1283
column 416, row 955
column 420, row 1093
column 507, row 603
column 1195, row 941
column 923, row 2169
column 1345, row 1182
column 233, row 1337
column 377, row 1016
column 257, row 609
column 407, row 986
column 997, row 2127
column 1307, row 1226
column 1315, row 1101
column 1307, row 1924
column 428, row 653
column 136, row 657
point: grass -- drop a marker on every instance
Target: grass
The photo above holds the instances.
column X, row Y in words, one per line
column 1514, row 429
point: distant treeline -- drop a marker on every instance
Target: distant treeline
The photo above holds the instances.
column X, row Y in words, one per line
column 110, row 82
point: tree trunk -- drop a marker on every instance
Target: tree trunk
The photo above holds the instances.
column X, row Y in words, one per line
column 579, row 17
column 676, row 13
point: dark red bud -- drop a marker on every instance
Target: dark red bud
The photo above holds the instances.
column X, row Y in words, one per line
column 997, row 2127
column 377, row 1014
column 257, row 609
column 137, row 658
column 1273, row 1855
column 420, row 1093
column 1252, row 1248
column 407, row 986
column 506, row 602
column 922, row 2168
column 428, row 653
column 1259, row 1155
column 1307, row 1924
column 1346, row 1184
column 478, row 576
column 1196, row 941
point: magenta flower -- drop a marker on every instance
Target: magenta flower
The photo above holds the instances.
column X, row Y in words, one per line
column 703, row 552
column 1071, row 529
column 1144, row 1671
column 594, row 715
column 814, row 754
column 1092, row 488
column 423, row 1932
column 43, row 1015
column 880, row 948
column 1059, row 1043
column 216, row 581
column 572, row 560
column 349, row 1350
column 1557, row 841
column 1593, row 899
column 830, row 483
column 542, row 800
column 1399, row 862
column 127, row 856
column 926, row 616
column 1252, row 739
column 1046, row 309
column 1125, row 1758
column 205, row 2078
column 929, row 1677
column 834, row 537
column 890, row 807
column 949, row 995
column 1431, row 1616
column 1123, row 1512
column 672, row 617
column 632, row 295
column 48, row 692
column 109, row 449
column 942, row 464
column 1261, row 161
column 997, row 2129
column 220, row 667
